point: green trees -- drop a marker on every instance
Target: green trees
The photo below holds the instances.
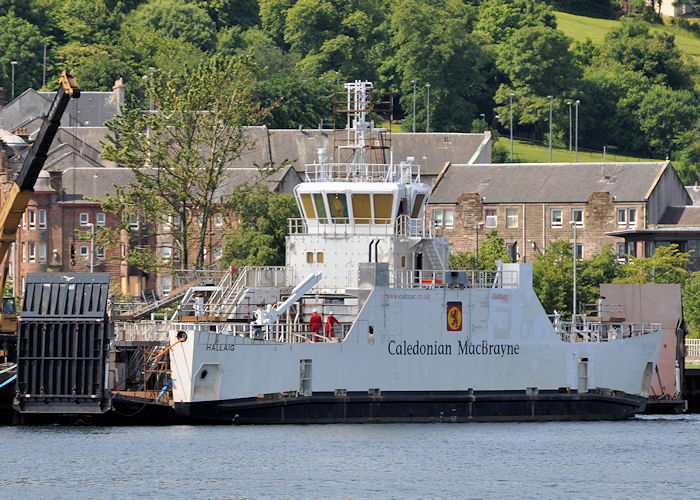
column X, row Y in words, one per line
column 433, row 44
column 179, row 154
column 261, row 227
column 19, row 41
column 174, row 19
column 490, row 251
column 538, row 63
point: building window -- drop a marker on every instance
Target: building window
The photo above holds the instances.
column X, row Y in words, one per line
column 84, row 219
column 622, row 251
column 42, row 218
column 134, row 222
column 621, row 216
column 555, row 217
column 32, row 251
column 437, row 218
column 218, row 252
column 32, row 218
column 101, row 219
column 577, row 216
column 165, row 284
column 42, row 252
column 319, row 257
column 491, row 218
column 100, row 252
column 632, row 217
column 84, row 252
column 166, row 254
column 24, row 252
column 443, row 217
column 579, row 251
column 511, row 217
column 218, row 220
column 309, row 257
column 449, row 218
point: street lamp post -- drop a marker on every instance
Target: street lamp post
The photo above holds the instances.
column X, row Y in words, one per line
column 573, row 317
column 13, row 63
column 413, row 82
column 605, row 150
column 568, row 103
column 92, row 246
column 550, row 127
column 427, row 121
column 577, row 103
column 43, row 72
column 510, row 99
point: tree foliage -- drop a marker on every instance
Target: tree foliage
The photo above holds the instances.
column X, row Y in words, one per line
column 553, row 277
column 491, row 250
column 434, row 45
column 500, row 19
column 175, row 19
column 667, row 265
column 261, row 226
column 20, row 41
column 179, row 153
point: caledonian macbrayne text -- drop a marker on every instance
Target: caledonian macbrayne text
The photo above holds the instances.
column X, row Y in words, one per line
column 483, row 348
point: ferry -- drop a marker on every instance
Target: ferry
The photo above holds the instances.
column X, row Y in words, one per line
column 416, row 341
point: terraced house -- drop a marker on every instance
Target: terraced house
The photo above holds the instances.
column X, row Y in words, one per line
column 530, row 205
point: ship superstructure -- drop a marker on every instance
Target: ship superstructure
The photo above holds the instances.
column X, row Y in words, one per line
column 416, row 341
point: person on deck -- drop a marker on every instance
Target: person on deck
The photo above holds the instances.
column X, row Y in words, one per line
column 315, row 325
column 330, row 321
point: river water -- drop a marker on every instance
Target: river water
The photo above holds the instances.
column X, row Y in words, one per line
column 646, row 457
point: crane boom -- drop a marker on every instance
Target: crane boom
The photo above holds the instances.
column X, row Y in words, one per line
column 20, row 192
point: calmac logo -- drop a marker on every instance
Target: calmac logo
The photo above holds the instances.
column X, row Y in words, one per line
column 454, row 316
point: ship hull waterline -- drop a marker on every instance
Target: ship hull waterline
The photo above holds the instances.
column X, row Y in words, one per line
column 417, row 407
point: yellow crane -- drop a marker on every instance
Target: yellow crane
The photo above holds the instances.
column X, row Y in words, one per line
column 21, row 190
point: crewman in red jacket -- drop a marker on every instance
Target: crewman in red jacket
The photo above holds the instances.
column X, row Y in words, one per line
column 315, row 325
column 330, row 321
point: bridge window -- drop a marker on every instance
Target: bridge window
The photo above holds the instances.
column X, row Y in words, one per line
column 361, row 208
column 417, row 204
column 383, row 203
column 339, row 207
column 320, row 208
column 308, row 205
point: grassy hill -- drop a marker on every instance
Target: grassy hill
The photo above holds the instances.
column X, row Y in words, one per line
column 525, row 152
column 579, row 28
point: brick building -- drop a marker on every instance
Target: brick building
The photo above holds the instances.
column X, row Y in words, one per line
column 532, row 204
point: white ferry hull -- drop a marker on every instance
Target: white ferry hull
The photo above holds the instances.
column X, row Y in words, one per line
column 399, row 363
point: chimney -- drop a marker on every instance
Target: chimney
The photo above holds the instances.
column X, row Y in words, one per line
column 56, row 182
column 119, row 92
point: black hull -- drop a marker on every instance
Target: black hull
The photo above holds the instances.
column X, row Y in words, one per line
column 392, row 407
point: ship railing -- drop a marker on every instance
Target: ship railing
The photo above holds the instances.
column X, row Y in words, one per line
column 404, row 226
column 692, row 348
column 361, row 172
column 401, row 278
column 141, row 331
column 583, row 330
column 287, row 333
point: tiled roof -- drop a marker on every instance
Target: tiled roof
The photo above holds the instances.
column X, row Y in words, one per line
column 80, row 183
column 547, row 183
